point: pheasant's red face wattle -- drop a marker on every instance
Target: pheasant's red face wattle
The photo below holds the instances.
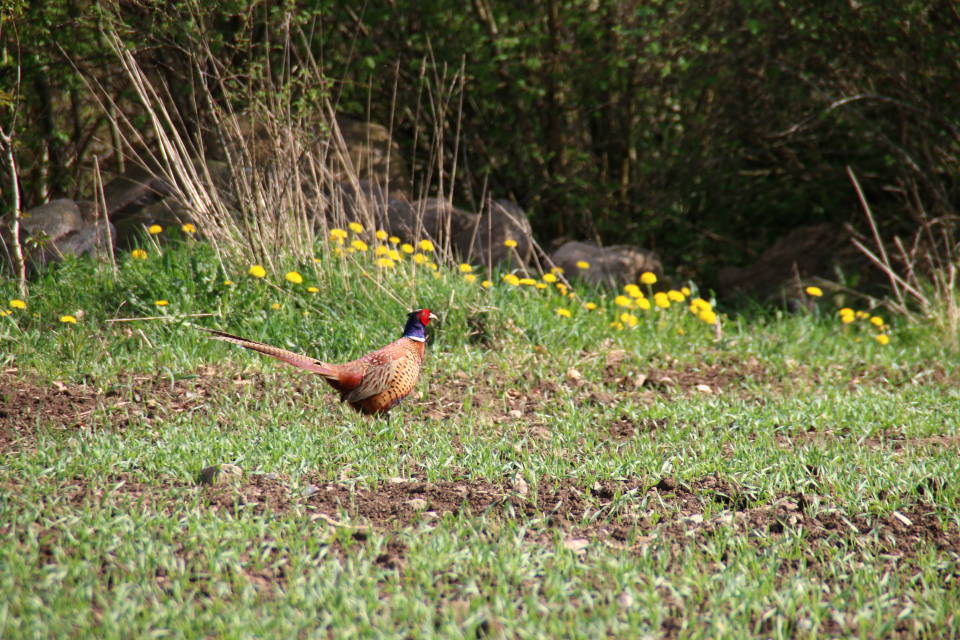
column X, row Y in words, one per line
column 425, row 316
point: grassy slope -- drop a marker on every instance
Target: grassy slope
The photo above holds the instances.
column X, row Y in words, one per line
column 83, row 555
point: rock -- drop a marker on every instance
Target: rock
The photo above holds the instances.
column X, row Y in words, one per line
column 417, row 504
column 614, row 266
column 373, row 155
column 573, row 374
column 516, row 414
column 702, row 388
column 482, row 242
column 430, row 218
column 520, row 486
column 58, row 228
column 136, row 188
column 219, row 474
column 309, row 490
column 577, row 545
column 132, row 226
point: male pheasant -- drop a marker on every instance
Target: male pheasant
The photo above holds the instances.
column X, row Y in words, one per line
column 373, row 384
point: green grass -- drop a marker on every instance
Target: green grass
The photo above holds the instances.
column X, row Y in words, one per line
column 105, row 532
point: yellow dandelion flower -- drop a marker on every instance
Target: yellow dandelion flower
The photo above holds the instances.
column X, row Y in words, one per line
column 632, row 320
column 542, row 285
column 643, row 304
column 676, row 296
column 847, row 318
column 583, row 265
column 557, row 270
column 624, row 317
column 68, row 320
column 861, row 314
column 661, row 300
column 385, row 263
column 275, row 306
column 512, row 280
column 486, row 284
column 396, row 240
column 18, row 304
column 351, row 250
column 432, row 266
column 528, row 281
column 257, row 271
column 622, row 301
column 563, row 312
column 294, row 277
column 882, row 338
column 633, row 291
column 685, row 291
column 425, row 245
column 188, row 228
column 816, row 292
column 394, row 255
column 549, row 277
column 228, row 282
column 846, row 311
column 699, row 304
column 590, row 306
column 381, row 235
column 648, row 278
column 312, row 289
column 420, row 258
column 708, row 316
column 469, row 278
column 406, row 248
column 154, row 229
column 359, row 245
column 381, row 251
column 562, row 288
column 510, row 243
column 616, row 325
column 355, row 227
column 680, row 331
column 162, row 303
column 466, row 268
column 138, row 254
column 876, row 321
column 338, row 235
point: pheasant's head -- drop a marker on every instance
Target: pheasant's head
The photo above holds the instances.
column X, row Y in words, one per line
column 416, row 321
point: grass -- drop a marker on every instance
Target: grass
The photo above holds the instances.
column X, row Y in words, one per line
column 107, row 532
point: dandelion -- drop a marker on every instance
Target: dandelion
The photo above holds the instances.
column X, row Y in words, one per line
column 188, row 228
column 338, row 235
column 18, row 304
column 257, row 271
column 661, row 300
column 512, row 280
column 562, row 288
column 616, row 325
column 528, row 281
column 466, row 268
column 557, row 270
column 275, row 306
column 510, row 243
column 583, row 265
column 396, row 240
column 622, row 301
column 486, row 284
column 434, row 267
column 876, row 321
column 381, row 251
column 294, row 277
column 590, row 306
column 355, row 227
column 882, row 338
column 351, row 250
column 861, row 314
column 469, row 278
column 381, row 234
column 162, row 303
column 542, row 285
column 816, row 292
column 680, row 331
column 708, row 316
column 676, row 296
column 846, row 311
column 549, row 277
column 699, row 304
column 685, row 291
column 632, row 320
column 312, row 289
column 643, row 304
column 385, row 263
column 406, row 248
column 228, row 282
column 68, row 320
column 633, row 291
column 359, row 245
column 393, row 255
column 648, row 278
column 154, row 229
column 420, row 258
column 846, row 315
column 138, row 254
column 563, row 312
column 425, row 245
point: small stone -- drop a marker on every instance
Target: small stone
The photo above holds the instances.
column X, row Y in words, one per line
column 573, row 374
column 724, row 518
column 515, row 414
column 397, row 481
column 577, row 545
column 417, row 504
column 309, row 490
column 520, row 486
column 702, row 388
column 902, row 518
column 694, row 519
column 625, row 600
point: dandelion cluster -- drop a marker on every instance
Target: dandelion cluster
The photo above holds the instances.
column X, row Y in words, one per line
column 863, row 321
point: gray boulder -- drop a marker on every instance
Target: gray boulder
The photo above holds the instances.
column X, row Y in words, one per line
column 613, row 266
column 59, row 228
column 483, row 242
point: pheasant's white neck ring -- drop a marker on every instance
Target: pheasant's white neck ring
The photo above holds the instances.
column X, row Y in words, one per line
column 424, row 339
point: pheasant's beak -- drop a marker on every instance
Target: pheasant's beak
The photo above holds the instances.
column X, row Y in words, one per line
column 433, row 317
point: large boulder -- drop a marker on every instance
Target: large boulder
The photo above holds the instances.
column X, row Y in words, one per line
column 484, row 241
column 58, row 228
column 613, row 266
column 372, row 155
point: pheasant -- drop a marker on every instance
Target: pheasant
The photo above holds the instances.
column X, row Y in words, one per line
column 373, row 384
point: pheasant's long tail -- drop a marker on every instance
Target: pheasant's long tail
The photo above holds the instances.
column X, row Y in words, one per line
column 291, row 358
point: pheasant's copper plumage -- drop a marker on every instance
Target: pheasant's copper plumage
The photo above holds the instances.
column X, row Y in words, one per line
column 373, row 384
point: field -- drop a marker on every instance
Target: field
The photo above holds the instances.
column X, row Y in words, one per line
column 589, row 472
